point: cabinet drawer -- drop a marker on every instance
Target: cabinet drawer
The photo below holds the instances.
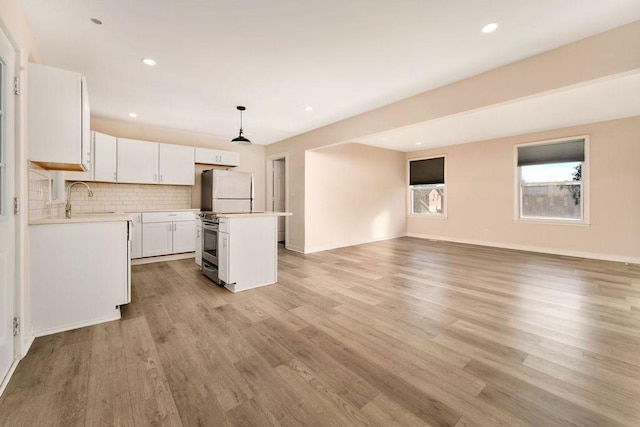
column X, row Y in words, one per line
column 223, row 226
column 148, row 217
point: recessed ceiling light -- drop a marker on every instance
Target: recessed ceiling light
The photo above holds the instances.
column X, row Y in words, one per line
column 134, row 115
column 418, row 143
column 96, row 21
column 308, row 108
column 148, row 61
column 490, row 28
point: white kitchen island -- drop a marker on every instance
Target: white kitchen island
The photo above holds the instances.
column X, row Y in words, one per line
column 248, row 249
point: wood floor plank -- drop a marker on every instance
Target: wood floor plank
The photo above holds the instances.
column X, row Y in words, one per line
column 398, row 332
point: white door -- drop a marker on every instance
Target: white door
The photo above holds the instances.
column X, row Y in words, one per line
column 177, row 165
column 184, row 236
column 137, row 161
column 279, row 195
column 7, row 193
column 157, row 238
column 104, row 157
column 136, row 238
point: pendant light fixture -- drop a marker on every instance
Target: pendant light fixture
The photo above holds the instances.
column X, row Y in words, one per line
column 240, row 139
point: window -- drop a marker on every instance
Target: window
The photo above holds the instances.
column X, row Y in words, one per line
column 551, row 180
column 427, row 186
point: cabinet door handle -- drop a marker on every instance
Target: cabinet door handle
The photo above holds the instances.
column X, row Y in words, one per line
column 115, row 176
column 160, row 178
column 224, row 242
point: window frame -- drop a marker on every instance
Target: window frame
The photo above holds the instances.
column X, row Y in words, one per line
column 410, row 213
column 4, row 201
column 584, row 186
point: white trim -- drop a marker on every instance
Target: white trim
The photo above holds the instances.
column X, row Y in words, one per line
column 21, row 342
column 27, row 342
column 72, row 326
column 538, row 249
column 552, row 221
column 327, row 247
column 162, row 258
column 584, row 185
column 294, row 248
column 269, row 189
column 409, row 198
column 7, row 378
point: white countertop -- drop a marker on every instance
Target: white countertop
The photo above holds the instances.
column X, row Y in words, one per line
column 164, row 210
column 252, row 214
column 75, row 218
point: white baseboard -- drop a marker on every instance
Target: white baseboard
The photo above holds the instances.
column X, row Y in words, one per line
column 295, row 248
column 5, row 380
column 327, row 247
column 162, row 258
column 539, row 249
column 72, row 326
column 27, row 343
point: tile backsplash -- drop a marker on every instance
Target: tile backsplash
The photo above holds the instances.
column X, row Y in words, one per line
column 109, row 197
column 40, row 203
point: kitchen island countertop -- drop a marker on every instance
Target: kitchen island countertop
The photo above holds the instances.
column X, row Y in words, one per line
column 252, row 214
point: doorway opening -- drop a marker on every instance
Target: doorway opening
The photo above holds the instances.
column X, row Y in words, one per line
column 278, row 192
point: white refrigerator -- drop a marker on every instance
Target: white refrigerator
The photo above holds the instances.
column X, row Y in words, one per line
column 227, row 191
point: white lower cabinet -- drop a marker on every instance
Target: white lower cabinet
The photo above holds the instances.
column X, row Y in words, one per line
column 136, row 235
column 79, row 274
column 165, row 233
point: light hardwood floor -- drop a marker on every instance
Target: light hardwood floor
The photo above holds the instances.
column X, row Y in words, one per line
column 399, row 332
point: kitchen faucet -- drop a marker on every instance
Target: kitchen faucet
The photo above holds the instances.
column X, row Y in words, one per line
column 67, row 208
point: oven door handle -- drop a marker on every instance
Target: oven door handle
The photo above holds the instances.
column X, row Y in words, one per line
column 210, row 227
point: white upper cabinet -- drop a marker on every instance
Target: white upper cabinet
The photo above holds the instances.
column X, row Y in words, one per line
column 176, row 165
column 58, row 119
column 103, row 160
column 145, row 162
column 104, row 157
column 137, row 161
column 209, row 156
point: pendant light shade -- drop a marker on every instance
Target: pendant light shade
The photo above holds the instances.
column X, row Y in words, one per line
column 240, row 139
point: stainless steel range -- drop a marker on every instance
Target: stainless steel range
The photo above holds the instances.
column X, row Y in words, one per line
column 210, row 227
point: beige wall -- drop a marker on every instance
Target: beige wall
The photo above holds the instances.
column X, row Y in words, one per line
column 356, row 194
column 607, row 54
column 252, row 157
column 481, row 194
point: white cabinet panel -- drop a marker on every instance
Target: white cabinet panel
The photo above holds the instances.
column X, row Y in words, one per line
column 177, row 165
column 223, row 257
column 184, row 237
column 209, row 156
column 137, row 161
column 78, row 273
column 136, row 237
column 58, row 119
column 247, row 253
column 104, row 163
column 157, row 238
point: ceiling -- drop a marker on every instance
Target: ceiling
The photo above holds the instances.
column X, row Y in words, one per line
column 341, row 57
column 609, row 99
